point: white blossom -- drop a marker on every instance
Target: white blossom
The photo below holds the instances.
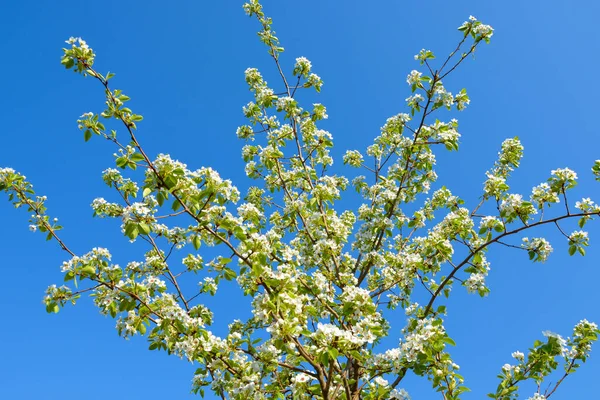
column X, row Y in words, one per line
column 414, row 78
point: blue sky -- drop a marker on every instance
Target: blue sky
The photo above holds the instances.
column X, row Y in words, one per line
column 183, row 66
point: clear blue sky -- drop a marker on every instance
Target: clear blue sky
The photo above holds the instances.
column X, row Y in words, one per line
column 183, row 67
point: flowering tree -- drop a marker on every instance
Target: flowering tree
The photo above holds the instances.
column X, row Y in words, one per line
column 323, row 282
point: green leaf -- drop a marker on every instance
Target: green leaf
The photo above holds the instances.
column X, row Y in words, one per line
column 88, row 270
column 137, row 157
column 449, row 341
column 238, row 232
column 144, row 228
column 87, row 135
column 224, row 260
column 146, row 192
column 52, row 308
column 572, row 250
column 333, row 353
column 121, row 162
column 229, row 274
column 131, row 230
column 69, row 276
column 67, row 62
column 196, row 242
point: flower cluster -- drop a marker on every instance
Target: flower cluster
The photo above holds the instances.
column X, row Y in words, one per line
column 537, row 396
column 476, row 283
column 302, row 67
column 442, row 97
column 538, row 248
column 543, row 194
column 477, row 30
column 80, row 55
column 562, row 179
column 513, row 207
column 424, row 55
column 416, row 341
column 414, row 78
column 577, row 241
column 509, row 158
column 587, row 205
column 353, row 158
column 462, row 100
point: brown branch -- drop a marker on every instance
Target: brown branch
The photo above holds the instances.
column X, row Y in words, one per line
column 568, row 371
column 494, row 240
